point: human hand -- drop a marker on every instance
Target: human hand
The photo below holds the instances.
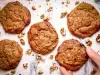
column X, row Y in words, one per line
column 95, row 57
column 65, row 72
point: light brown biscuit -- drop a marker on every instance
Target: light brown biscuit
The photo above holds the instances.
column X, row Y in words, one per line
column 72, row 55
column 42, row 37
column 84, row 20
column 14, row 17
column 10, row 54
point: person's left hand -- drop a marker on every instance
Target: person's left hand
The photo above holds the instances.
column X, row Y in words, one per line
column 65, row 72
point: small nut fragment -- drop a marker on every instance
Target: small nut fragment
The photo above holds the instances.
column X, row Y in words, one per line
column 40, row 72
column 21, row 35
column 88, row 42
column 98, row 38
column 22, row 41
column 33, row 8
column 29, row 51
column 51, row 56
column 49, row 9
column 47, row 0
column 25, row 66
column 42, row 16
column 13, row 71
column 53, row 68
column 68, row 1
column 63, row 14
column 77, row 2
column 63, row 32
column 62, row 2
column 39, row 58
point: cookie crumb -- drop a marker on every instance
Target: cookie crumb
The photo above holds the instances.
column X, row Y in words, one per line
column 51, row 56
column 53, row 68
column 63, row 14
column 98, row 38
column 40, row 72
column 13, row 71
column 77, row 2
column 33, row 8
column 25, row 66
column 21, row 35
column 88, row 42
column 49, row 9
column 22, row 41
column 63, row 31
column 29, row 51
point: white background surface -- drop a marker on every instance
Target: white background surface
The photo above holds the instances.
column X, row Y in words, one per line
column 57, row 23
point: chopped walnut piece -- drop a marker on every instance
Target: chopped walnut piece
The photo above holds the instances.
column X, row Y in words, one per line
column 22, row 41
column 63, row 31
column 29, row 51
column 42, row 16
column 25, row 66
column 21, row 35
column 33, row 8
column 63, row 14
column 49, row 9
column 13, row 71
column 77, row 2
column 40, row 72
column 39, row 58
column 51, row 56
column 53, row 67
column 98, row 38
column 88, row 42
column 68, row 1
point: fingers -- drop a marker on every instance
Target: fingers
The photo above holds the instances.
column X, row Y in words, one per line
column 64, row 71
column 94, row 56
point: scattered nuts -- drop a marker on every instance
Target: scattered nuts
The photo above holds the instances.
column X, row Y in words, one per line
column 13, row 71
column 51, row 56
column 50, row 9
column 29, row 51
column 98, row 38
column 25, row 66
column 63, row 32
column 88, row 42
column 53, row 68
column 22, row 41
column 21, row 35
column 63, row 14
column 40, row 72
column 77, row 2
column 33, row 8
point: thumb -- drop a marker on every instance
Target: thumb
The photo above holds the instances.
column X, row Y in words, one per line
column 64, row 71
column 94, row 56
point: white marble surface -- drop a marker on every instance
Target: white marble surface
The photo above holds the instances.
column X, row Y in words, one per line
column 58, row 24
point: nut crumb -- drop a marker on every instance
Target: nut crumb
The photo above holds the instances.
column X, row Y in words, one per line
column 62, row 2
column 63, row 31
column 47, row 0
column 22, row 41
column 33, row 8
column 29, row 51
column 53, row 68
column 88, row 42
column 49, row 9
column 51, row 56
column 68, row 1
column 21, row 35
column 13, row 71
column 77, row 2
column 40, row 72
column 25, row 66
column 63, row 14
column 98, row 38
column 39, row 58
column 42, row 16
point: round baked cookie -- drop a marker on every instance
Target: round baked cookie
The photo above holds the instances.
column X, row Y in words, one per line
column 10, row 54
column 71, row 55
column 42, row 37
column 14, row 17
column 84, row 20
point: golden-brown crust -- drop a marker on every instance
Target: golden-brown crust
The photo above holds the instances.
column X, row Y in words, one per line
column 72, row 55
column 14, row 17
column 42, row 37
column 10, row 54
column 84, row 20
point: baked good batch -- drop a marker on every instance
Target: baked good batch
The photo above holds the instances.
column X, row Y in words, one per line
column 42, row 37
column 84, row 20
column 10, row 54
column 72, row 55
column 14, row 17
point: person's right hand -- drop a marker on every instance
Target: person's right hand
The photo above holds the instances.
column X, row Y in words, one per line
column 95, row 57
